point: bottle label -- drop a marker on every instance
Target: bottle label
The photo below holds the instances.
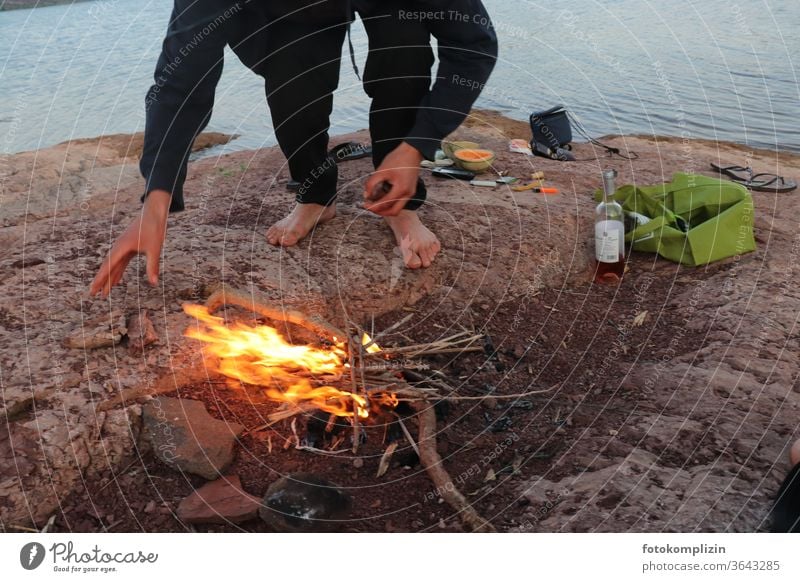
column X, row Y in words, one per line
column 607, row 241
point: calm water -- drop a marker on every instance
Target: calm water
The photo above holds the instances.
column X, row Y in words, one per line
column 720, row 69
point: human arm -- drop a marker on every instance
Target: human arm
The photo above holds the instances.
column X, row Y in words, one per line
column 467, row 49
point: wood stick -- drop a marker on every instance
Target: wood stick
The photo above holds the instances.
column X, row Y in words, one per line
column 175, row 378
column 453, row 340
column 351, row 359
column 440, row 384
column 506, row 396
column 317, row 451
column 439, row 351
column 120, row 474
column 388, row 330
column 428, row 347
column 226, row 295
column 284, row 414
column 430, row 459
column 408, row 436
column 383, row 466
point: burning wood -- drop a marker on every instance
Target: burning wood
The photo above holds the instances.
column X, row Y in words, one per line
column 260, row 356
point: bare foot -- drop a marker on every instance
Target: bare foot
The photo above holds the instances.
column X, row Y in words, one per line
column 418, row 244
column 301, row 220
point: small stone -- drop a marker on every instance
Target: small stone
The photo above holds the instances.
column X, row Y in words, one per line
column 302, row 502
column 502, row 424
column 103, row 331
column 184, row 436
column 220, row 502
column 358, row 462
column 490, row 402
column 150, row 507
column 141, row 332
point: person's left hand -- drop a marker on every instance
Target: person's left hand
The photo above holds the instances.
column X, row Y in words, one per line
column 400, row 171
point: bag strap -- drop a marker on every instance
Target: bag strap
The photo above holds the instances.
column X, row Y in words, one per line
column 611, row 150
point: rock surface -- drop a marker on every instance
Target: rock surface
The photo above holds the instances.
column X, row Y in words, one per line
column 303, row 502
column 735, row 401
column 221, row 501
column 183, row 435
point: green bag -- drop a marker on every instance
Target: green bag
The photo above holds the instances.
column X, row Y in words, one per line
column 695, row 220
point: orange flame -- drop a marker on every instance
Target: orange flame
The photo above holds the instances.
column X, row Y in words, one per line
column 260, row 356
column 366, row 341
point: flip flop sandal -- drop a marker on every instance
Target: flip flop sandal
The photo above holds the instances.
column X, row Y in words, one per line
column 763, row 182
column 350, row 151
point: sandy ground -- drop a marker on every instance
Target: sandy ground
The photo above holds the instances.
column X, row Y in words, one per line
column 684, row 429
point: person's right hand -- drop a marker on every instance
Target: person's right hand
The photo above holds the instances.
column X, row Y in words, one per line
column 144, row 236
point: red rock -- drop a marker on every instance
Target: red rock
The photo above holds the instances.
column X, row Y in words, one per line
column 141, row 332
column 222, row 501
column 185, row 437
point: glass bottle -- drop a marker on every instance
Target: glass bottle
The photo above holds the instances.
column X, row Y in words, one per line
column 609, row 234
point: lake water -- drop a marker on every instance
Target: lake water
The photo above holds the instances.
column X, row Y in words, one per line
column 717, row 69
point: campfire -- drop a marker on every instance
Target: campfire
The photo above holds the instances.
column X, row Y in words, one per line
column 344, row 374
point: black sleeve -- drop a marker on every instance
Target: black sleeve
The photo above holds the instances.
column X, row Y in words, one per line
column 467, row 54
column 178, row 105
